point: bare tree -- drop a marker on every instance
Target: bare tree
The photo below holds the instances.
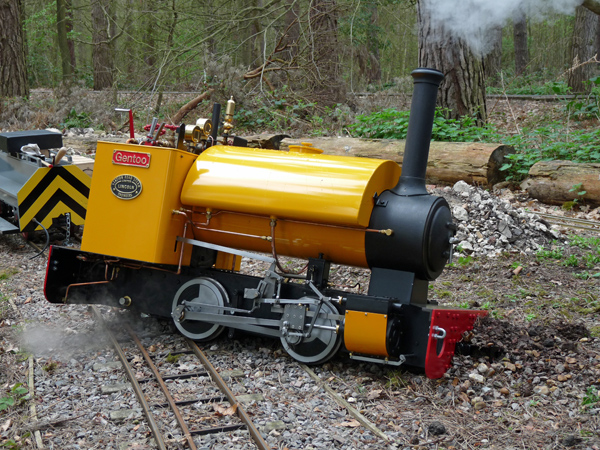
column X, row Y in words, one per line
column 292, row 28
column 64, row 25
column 521, row 46
column 323, row 23
column 583, row 50
column 463, row 90
column 493, row 60
column 103, row 32
column 368, row 53
column 13, row 73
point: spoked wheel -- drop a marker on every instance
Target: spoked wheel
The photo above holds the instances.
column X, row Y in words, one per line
column 321, row 345
column 200, row 295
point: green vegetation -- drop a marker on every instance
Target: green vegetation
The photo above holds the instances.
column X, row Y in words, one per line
column 537, row 82
column 4, row 305
column 393, row 124
column 587, row 107
column 6, row 274
column 588, row 259
column 576, row 240
column 16, row 395
column 77, row 120
column 554, row 253
column 550, row 142
column 546, row 142
column 591, row 396
column 172, row 359
column 396, row 380
column 11, row 444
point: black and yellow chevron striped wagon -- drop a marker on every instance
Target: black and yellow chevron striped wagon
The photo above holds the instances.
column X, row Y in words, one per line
column 40, row 186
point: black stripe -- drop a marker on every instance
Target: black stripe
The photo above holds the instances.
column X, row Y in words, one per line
column 46, row 181
column 58, row 197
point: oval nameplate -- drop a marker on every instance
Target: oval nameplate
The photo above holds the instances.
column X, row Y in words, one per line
column 126, row 187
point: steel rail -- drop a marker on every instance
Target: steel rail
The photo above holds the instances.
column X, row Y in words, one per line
column 134, row 382
column 240, row 411
column 163, row 387
column 569, row 222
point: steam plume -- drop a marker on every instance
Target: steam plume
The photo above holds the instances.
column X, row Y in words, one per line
column 472, row 20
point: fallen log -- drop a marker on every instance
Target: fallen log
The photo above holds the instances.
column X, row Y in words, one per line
column 449, row 162
column 559, row 182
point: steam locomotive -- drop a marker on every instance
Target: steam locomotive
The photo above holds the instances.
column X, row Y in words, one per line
column 166, row 229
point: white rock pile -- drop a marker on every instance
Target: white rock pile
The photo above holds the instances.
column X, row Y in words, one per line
column 489, row 225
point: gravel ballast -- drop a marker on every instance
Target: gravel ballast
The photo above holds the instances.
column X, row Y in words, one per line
column 531, row 381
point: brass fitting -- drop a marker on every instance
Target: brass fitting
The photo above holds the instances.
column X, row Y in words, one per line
column 229, row 111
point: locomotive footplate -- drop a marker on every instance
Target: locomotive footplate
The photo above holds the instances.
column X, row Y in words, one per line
column 311, row 323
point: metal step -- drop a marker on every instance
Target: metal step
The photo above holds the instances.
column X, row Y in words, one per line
column 7, row 228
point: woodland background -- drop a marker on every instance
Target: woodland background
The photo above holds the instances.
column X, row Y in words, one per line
column 319, row 66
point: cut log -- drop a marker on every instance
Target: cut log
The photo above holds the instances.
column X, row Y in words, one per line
column 266, row 141
column 553, row 182
column 449, row 162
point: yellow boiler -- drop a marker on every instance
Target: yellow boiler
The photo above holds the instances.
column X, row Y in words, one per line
column 312, row 204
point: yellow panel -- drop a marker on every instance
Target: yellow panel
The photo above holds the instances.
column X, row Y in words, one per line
column 365, row 333
column 141, row 228
column 310, row 187
column 51, row 192
column 46, row 198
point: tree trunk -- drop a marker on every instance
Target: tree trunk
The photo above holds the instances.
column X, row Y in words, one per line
column 521, row 47
column 493, row 60
column 373, row 46
column 257, row 38
column 592, row 5
column 558, row 182
column 149, row 31
column 583, row 49
column 328, row 86
column 13, row 70
column 69, row 28
column 292, row 25
column 102, row 50
column 448, row 162
column 63, row 25
column 463, row 90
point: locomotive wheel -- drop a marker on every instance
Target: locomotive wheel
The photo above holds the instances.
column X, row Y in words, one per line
column 321, row 345
column 197, row 294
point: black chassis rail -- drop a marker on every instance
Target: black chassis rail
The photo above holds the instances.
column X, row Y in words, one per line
column 78, row 277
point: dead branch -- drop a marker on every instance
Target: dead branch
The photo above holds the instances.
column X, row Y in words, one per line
column 185, row 109
column 281, row 46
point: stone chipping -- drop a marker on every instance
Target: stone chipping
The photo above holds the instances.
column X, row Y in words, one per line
column 489, row 225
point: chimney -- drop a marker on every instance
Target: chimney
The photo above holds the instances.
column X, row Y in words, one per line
column 420, row 125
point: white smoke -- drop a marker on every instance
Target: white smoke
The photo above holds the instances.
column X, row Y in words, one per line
column 474, row 20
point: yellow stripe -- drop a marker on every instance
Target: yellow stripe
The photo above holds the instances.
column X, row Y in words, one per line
column 33, row 181
column 59, row 209
column 80, row 174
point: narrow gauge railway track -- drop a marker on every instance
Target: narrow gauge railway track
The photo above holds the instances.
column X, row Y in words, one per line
column 215, row 396
column 569, row 222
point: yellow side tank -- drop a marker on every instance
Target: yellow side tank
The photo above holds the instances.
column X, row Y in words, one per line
column 135, row 189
